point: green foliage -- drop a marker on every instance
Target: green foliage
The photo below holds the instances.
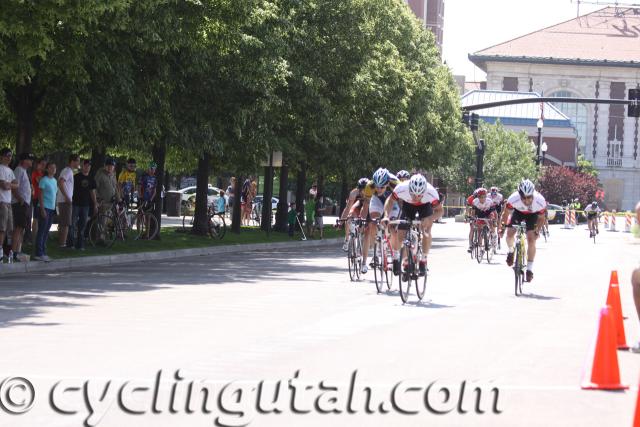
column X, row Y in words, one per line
column 586, row 167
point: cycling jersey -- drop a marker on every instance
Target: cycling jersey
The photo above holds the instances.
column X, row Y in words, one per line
column 538, row 205
column 476, row 203
column 591, row 209
column 370, row 188
column 430, row 196
column 497, row 199
column 128, row 181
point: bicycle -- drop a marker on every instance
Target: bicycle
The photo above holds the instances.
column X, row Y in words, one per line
column 354, row 248
column 593, row 227
column 146, row 222
column 109, row 226
column 216, row 223
column 484, row 242
column 519, row 260
column 382, row 258
column 411, row 250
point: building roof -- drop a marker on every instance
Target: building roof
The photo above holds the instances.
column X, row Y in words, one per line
column 518, row 114
column 608, row 37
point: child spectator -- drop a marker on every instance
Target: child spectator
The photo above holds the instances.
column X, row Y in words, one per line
column 220, row 203
column 291, row 217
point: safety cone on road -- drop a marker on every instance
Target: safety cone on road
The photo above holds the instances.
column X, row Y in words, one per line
column 604, row 372
column 614, row 299
column 636, row 419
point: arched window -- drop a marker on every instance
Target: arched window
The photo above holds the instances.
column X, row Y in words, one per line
column 578, row 115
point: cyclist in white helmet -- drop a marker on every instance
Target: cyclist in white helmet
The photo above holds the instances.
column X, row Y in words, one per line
column 419, row 199
column 529, row 206
column 375, row 193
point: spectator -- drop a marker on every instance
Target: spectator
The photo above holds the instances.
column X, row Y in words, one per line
column 291, row 218
column 21, row 203
column 65, row 198
column 127, row 182
column 246, row 202
column 319, row 213
column 635, row 283
column 8, row 183
column 106, row 186
column 231, row 191
column 36, row 174
column 47, row 204
column 220, row 203
column 84, row 197
column 149, row 185
column 310, row 211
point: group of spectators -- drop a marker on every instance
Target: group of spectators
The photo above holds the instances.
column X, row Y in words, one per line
column 314, row 207
column 31, row 195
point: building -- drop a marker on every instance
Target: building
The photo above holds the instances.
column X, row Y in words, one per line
column 592, row 56
column 559, row 133
column 431, row 13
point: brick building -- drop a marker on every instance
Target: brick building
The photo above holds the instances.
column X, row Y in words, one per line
column 431, row 13
column 593, row 56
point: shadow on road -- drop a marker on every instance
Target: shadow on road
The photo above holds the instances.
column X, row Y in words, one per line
column 26, row 297
column 539, row 297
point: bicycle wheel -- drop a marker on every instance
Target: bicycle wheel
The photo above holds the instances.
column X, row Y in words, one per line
column 103, row 231
column 473, row 244
column 517, row 270
column 378, row 268
column 217, row 227
column 359, row 256
column 187, row 221
column 387, row 254
column 488, row 244
column 146, row 226
column 351, row 259
column 405, row 273
column 421, row 281
column 479, row 244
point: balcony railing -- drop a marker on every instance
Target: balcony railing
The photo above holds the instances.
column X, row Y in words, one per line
column 614, row 163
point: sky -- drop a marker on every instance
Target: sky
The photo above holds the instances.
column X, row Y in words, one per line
column 473, row 25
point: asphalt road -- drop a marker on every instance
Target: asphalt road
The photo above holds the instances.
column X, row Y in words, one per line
column 265, row 316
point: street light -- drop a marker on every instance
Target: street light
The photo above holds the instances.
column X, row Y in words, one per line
column 540, row 125
column 544, row 149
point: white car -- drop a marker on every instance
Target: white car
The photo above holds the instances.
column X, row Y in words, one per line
column 274, row 201
column 190, row 193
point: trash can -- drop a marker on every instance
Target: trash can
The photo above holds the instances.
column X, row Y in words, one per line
column 173, row 200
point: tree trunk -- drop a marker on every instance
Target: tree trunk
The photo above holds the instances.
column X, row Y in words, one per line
column 24, row 101
column 344, row 194
column 301, row 189
column 267, row 214
column 201, row 220
column 159, row 152
column 236, row 218
column 98, row 157
column 281, row 215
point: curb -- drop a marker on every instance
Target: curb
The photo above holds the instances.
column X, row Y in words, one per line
column 108, row 260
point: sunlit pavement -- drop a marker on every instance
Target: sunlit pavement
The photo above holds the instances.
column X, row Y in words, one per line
column 264, row 316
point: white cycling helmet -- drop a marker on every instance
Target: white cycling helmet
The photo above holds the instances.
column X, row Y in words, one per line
column 403, row 174
column 380, row 177
column 417, row 185
column 526, row 188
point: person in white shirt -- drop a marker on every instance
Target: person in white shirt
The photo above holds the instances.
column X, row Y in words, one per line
column 21, row 203
column 64, row 199
column 592, row 210
column 8, row 183
column 529, row 206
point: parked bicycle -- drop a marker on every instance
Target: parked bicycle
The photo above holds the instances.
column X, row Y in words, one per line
column 216, row 222
column 114, row 224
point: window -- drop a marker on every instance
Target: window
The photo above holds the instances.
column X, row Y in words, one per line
column 578, row 115
column 510, row 84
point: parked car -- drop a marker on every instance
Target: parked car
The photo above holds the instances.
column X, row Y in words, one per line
column 189, row 194
column 555, row 214
column 274, row 201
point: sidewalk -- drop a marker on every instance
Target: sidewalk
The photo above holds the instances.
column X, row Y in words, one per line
column 107, row 260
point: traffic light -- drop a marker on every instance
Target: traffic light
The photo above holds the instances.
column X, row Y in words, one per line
column 634, row 106
column 475, row 119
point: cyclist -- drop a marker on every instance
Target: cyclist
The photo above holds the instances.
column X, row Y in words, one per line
column 376, row 193
column 127, row 181
column 482, row 207
column 529, row 206
column 419, row 199
column 592, row 210
column 354, row 204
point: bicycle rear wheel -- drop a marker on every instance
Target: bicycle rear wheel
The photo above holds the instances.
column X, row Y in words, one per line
column 351, row 259
column 103, row 231
column 421, row 281
column 488, row 244
column 217, row 227
column 146, row 226
column 479, row 246
column 387, row 267
column 378, row 267
column 405, row 273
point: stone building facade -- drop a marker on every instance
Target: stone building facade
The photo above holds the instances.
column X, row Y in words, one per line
column 431, row 13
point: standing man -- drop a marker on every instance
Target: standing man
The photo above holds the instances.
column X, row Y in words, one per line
column 149, row 185
column 127, row 182
column 106, row 186
column 21, row 203
column 8, row 183
column 64, row 200
column 84, row 197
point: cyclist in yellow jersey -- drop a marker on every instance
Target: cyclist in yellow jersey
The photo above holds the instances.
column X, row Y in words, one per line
column 375, row 195
column 127, row 181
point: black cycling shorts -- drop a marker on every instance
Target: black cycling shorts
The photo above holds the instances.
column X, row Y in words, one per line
column 482, row 214
column 530, row 218
column 592, row 215
column 410, row 211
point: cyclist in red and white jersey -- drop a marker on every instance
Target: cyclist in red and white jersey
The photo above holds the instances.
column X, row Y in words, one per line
column 529, row 206
column 353, row 207
column 419, row 199
column 482, row 207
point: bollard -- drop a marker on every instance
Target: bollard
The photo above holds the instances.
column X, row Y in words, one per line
column 574, row 219
column 567, row 219
column 627, row 222
column 613, row 221
column 606, row 220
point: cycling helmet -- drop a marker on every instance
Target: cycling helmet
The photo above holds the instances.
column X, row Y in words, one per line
column 381, row 177
column 403, row 174
column 481, row 192
column 362, row 182
column 153, row 165
column 526, row 188
column 594, row 204
column 417, row 185
column 110, row 161
column 494, row 189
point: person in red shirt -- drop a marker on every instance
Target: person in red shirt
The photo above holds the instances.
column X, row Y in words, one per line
column 36, row 174
column 481, row 206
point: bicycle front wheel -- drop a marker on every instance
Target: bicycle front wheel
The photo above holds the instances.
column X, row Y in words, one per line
column 351, row 260
column 387, row 253
column 421, row 281
column 406, row 270
column 488, row 244
column 378, row 268
column 146, row 226
column 479, row 246
column 217, row 227
column 518, row 271
column 103, row 231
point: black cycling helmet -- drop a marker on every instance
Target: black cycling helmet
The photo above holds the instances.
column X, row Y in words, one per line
column 594, row 204
column 362, row 182
column 131, row 161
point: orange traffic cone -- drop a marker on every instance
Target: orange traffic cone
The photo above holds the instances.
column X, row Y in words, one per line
column 604, row 373
column 613, row 300
column 636, row 419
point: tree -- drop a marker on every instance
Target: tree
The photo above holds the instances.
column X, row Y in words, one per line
column 508, row 159
column 585, row 166
column 559, row 183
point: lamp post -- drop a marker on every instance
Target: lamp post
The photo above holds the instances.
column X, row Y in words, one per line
column 544, row 149
column 540, row 125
